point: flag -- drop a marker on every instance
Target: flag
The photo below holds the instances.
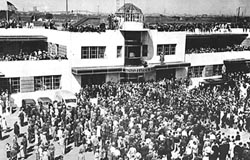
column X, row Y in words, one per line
column 11, row 7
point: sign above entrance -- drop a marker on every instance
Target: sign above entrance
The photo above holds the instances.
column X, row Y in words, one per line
column 139, row 70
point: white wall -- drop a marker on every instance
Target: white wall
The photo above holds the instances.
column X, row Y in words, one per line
column 110, row 39
column 178, row 38
column 34, row 68
column 215, row 58
column 41, row 68
column 181, row 72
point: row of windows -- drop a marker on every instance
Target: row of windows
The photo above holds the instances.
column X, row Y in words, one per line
column 40, row 83
column 99, row 52
column 93, row 52
column 47, row 82
column 15, row 85
column 197, row 71
column 166, row 49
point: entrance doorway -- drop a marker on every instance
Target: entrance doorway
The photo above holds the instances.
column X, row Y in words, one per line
column 167, row 74
column 4, row 84
column 93, row 79
column 132, row 77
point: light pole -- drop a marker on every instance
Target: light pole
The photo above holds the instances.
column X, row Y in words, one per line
column 67, row 7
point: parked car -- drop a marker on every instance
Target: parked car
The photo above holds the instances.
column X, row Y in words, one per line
column 44, row 102
column 66, row 97
column 28, row 104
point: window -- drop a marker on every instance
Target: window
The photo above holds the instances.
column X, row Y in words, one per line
column 168, row 49
column 56, row 82
column 85, row 52
column 172, row 49
column 159, row 49
column 93, row 52
column 119, row 50
column 101, row 52
column 47, row 82
column 195, row 71
column 62, row 50
column 15, row 85
column 38, row 83
column 144, row 50
column 217, row 70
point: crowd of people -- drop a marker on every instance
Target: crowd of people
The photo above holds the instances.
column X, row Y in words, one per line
column 12, row 23
column 36, row 55
column 84, row 28
column 142, row 121
column 191, row 27
column 213, row 50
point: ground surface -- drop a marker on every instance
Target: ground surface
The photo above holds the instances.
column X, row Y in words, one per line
column 71, row 155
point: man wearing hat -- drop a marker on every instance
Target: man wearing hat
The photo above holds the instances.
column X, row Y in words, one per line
column 51, row 150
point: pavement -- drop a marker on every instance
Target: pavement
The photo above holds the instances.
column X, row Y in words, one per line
column 72, row 153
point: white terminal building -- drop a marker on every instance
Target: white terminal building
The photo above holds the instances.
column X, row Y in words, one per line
column 112, row 56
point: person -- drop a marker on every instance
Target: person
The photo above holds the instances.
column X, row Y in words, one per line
column 45, row 154
column 16, row 148
column 8, row 151
column 51, row 150
column 36, row 148
column 21, row 118
column 162, row 58
column 1, row 134
column 81, row 155
column 62, row 145
column 4, row 124
column 24, row 144
column 16, row 129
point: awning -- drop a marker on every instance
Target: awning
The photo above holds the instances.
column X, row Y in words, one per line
column 1, row 74
column 173, row 65
column 23, row 38
column 214, row 35
column 238, row 60
column 134, row 30
column 96, row 70
column 125, row 69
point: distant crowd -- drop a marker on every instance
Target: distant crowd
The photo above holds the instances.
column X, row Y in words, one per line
column 12, row 23
column 36, row 55
column 212, row 50
column 191, row 27
column 84, row 28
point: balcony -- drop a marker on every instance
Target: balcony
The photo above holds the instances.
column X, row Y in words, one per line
column 135, row 61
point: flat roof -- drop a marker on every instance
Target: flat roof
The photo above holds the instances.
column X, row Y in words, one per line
column 209, row 35
column 172, row 65
column 1, row 74
column 23, row 38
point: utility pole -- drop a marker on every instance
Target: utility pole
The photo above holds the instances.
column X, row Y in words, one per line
column 237, row 14
column 67, row 7
column 98, row 9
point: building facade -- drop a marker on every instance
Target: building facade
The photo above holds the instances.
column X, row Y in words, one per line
column 131, row 53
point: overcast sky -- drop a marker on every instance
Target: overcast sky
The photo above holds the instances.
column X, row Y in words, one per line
column 226, row 7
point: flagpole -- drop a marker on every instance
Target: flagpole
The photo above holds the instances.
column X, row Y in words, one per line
column 7, row 16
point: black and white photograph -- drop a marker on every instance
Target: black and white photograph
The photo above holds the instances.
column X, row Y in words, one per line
column 124, row 80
